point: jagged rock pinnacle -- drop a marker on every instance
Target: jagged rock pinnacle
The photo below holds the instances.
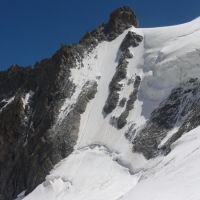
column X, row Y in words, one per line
column 119, row 20
column 122, row 16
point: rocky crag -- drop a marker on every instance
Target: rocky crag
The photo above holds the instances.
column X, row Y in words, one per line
column 32, row 138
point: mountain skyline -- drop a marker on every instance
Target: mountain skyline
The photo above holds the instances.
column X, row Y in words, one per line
column 115, row 116
column 33, row 30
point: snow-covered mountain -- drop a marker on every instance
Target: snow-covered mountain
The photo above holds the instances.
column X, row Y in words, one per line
column 115, row 117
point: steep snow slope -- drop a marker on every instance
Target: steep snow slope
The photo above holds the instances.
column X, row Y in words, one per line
column 174, row 177
column 165, row 58
column 98, row 175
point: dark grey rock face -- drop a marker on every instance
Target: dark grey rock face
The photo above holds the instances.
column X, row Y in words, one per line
column 30, row 145
column 122, row 102
column 190, row 112
column 121, row 121
column 28, row 149
column 131, row 39
column 114, row 87
column 180, row 108
column 120, row 20
column 31, row 141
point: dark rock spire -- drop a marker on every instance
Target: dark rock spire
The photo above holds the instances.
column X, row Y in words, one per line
column 121, row 19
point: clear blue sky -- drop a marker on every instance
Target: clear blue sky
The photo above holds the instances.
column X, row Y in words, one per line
column 31, row 30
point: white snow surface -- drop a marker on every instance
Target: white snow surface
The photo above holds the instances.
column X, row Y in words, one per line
column 110, row 170
column 97, row 177
column 100, row 177
column 176, row 176
column 7, row 102
column 26, row 98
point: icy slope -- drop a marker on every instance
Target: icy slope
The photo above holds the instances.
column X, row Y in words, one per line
column 174, row 177
column 89, row 173
column 163, row 60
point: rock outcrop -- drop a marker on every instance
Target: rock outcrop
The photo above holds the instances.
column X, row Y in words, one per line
column 120, row 20
column 121, row 121
column 180, row 109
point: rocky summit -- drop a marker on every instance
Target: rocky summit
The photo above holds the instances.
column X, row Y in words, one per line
column 115, row 117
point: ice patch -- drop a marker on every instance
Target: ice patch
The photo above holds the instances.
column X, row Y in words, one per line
column 26, row 98
column 7, row 102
